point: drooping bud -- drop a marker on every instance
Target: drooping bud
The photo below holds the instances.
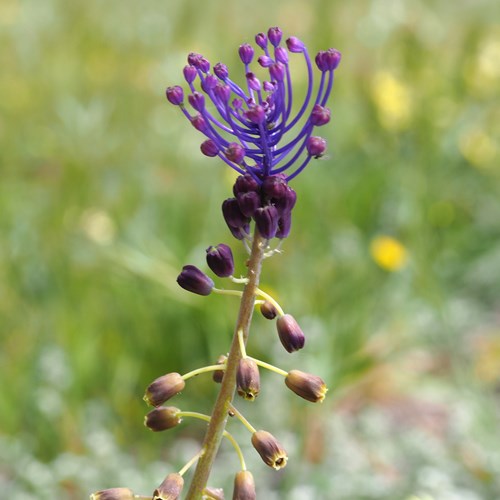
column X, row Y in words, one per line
column 232, row 213
column 195, row 281
column 290, row 334
column 175, row 95
column 284, row 225
column 218, row 375
column 266, row 219
column 246, row 53
column 277, row 71
column 286, row 202
column 244, row 486
column 316, row 146
column 320, row 115
column 199, row 123
column 220, row 260
column 170, row 488
column 209, row 83
column 209, row 148
column 211, row 493
column 274, row 186
column 162, row 418
column 268, row 310
column 240, row 232
column 248, row 379
column 295, row 45
column 189, row 73
column 274, row 34
column 163, row 388
column 245, row 183
column 265, row 61
column 197, row 100
column 222, row 92
column 253, row 81
column 113, row 494
column 281, row 55
column 261, row 40
column 221, row 71
column 307, row 386
column 249, row 203
column 270, row 450
column 235, row 152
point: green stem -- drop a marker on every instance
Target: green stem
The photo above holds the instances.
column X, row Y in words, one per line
column 218, row 419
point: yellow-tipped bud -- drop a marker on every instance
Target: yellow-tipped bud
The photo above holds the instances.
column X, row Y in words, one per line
column 113, row 494
column 248, row 379
column 269, row 449
column 244, row 486
column 163, row 388
column 170, row 488
column 307, row 386
column 162, row 418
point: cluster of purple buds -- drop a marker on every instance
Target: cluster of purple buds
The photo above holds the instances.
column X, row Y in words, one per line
column 254, row 129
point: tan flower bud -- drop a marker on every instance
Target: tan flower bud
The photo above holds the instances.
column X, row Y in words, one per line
column 268, row 310
column 113, row 494
column 211, row 493
column 269, row 449
column 248, row 379
column 163, row 388
column 162, row 418
column 244, row 486
column 170, row 488
column 219, row 374
column 306, row 386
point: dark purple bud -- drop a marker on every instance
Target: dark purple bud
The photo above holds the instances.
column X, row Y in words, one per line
column 256, row 114
column 320, row 115
column 244, row 486
column 307, row 386
column 266, row 219
column 281, row 55
column 189, row 73
column 248, row 379
column 253, row 81
column 240, row 232
column 209, row 148
column 162, row 418
column 274, row 35
column 203, row 64
column 197, row 100
column 199, row 123
column 284, row 225
column 220, row 70
column 246, row 53
column 274, row 186
column 290, row 334
column 113, row 494
column 295, row 45
column 261, row 40
column 277, row 71
column 235, row 152
column 170, row 488
column 193, row 58
column 163, row 388
column 286, row 202
column 245, row 183
column 175, row 95
column 268, row 310
column 218, row 375
column 220, row 260
column 269, row 449
column 209, row 83
column 265, row 61
column 316, row 146
column 232, row 214
column 248, row 202
column 194, row 280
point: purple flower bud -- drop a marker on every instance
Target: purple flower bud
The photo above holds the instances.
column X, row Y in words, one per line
column 328, row 60
column 218, row 375
column 203, row 64
column 199, row 123
column 197, row 100
column 248, row 379
column 162, row 418
column 235, row 152
column 222, row 92
column 320, row 115
column 237, row 103
column 307, row 386
column 290, row 334
column 286, row 202
column 209, row 148
column 170, row 488
column 193, row 58
column 269, row 449
column 175, row 95
column 221, row 71
column 256, row 114
column 209, row 83
column 295, row 45
column 194, row 280
column 245, row 183
column 277, row 71
column 189, row 73
column 220, row 260
column 244, row 486
column 266, row 219
column 240, row 232
column 268, row 310
column 261, row 40
column 274, row 186
column 281, row 55
column 248, row 203
column 253, row 81
column 274, row 35
column 246, row 53
column 269, row 86
column 233, row 215
column 316, row 146
column 284, row 225
column 265, row 61
column 163, row 388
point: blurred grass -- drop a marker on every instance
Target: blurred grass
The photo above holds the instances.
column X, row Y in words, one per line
column 102, row 188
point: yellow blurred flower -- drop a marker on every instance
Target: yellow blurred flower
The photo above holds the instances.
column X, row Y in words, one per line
column 478, row 148
column 388, row 253
column 393, row 101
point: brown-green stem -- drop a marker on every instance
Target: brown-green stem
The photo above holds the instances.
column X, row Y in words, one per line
column 218, row 420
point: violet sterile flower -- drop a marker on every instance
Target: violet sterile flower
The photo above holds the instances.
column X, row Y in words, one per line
column 252, row 128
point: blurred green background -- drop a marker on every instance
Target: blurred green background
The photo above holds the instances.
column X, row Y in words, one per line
column 392, row 267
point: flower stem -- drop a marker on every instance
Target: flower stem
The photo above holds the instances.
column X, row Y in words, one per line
column 219, row 415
